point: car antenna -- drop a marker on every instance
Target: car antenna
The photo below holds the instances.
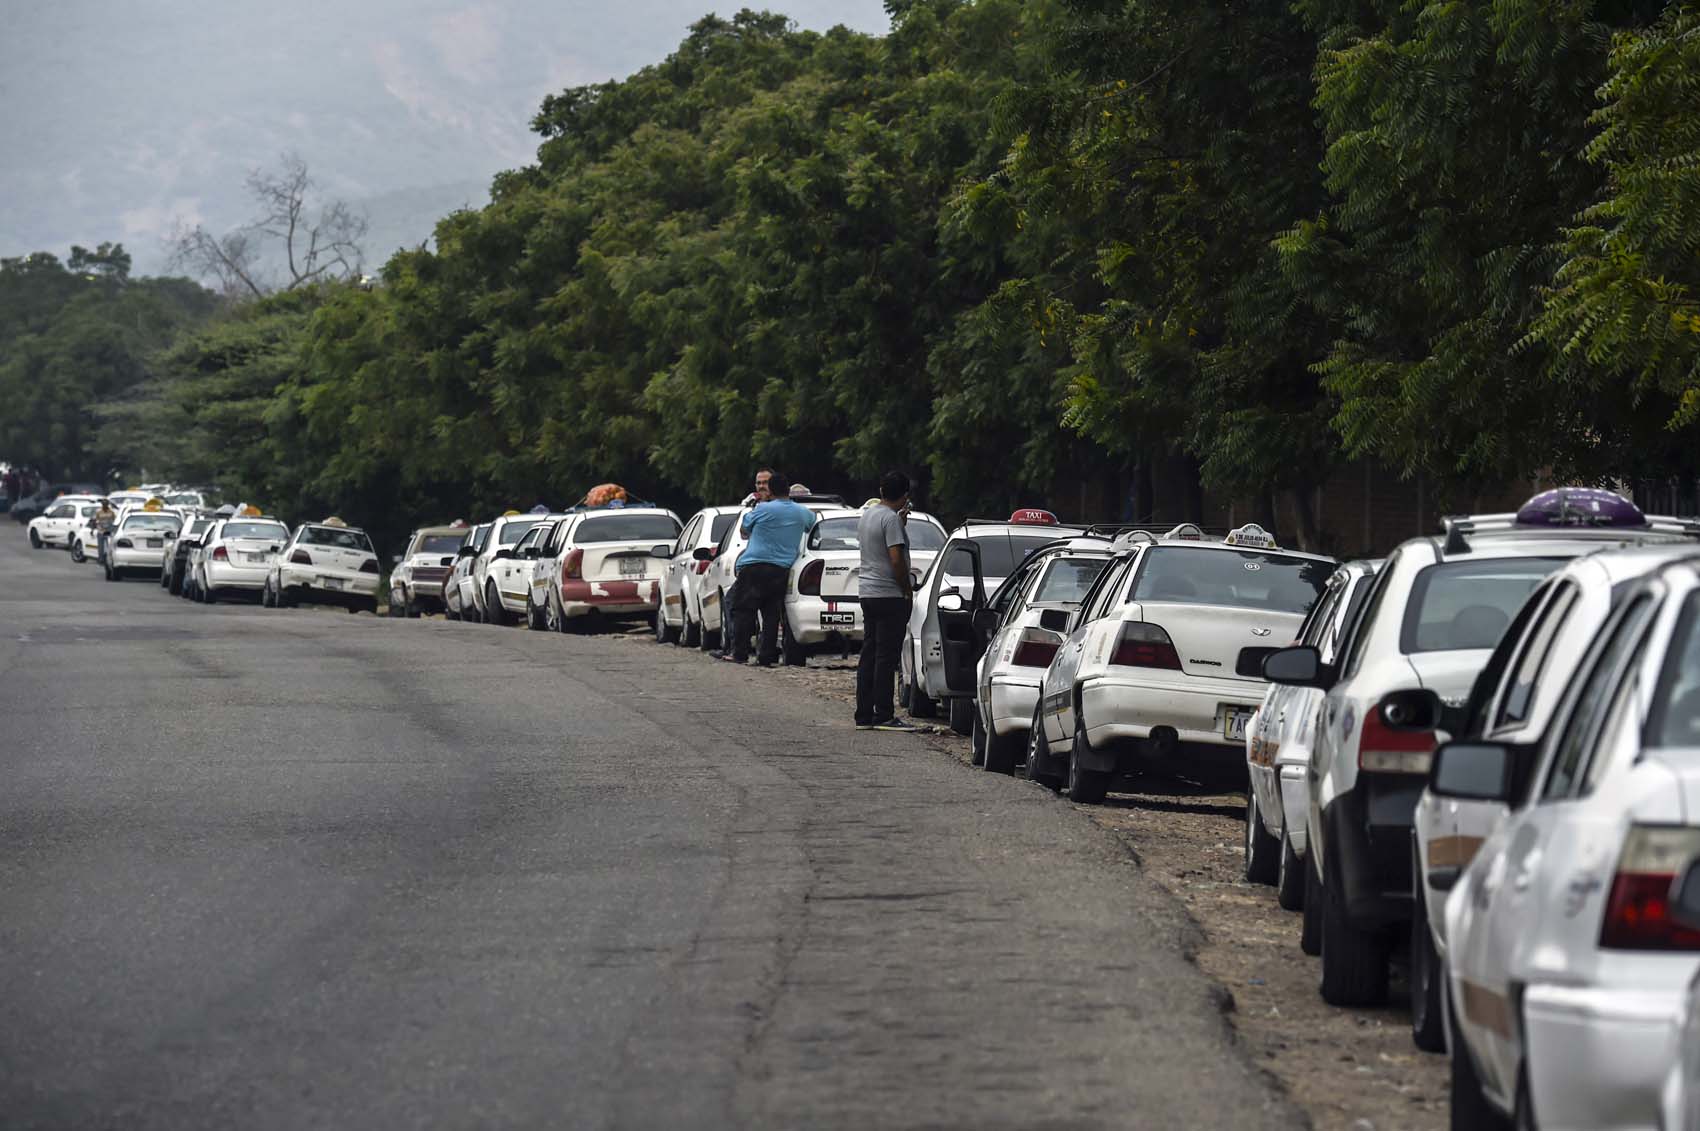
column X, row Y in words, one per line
column 1455, row 540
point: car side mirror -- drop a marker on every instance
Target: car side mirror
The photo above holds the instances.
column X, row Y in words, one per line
column 465, row 552
column 950, row 601
column 1414, row 709
column 448, row 560
column 1056, row 620
column 703, row 554
column 1298, row 666
column 1472, row 771
column 1685, row 897
column 986, row 621
column 661, row 550
column 1250, row 662
column 506, row 553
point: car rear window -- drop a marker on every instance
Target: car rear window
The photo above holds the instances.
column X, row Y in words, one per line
column 152, row 522
column 273, row 530
column 1468, row 604
column 440, row 543
column 335, row 536
column 515, row 530
column 925, row 536
column 1675, row 717
column 838, row 534
column 1241, row 579
column 627, row 528
column 1068, row 579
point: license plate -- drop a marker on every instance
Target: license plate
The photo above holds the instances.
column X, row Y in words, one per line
column 633, row 567
column 1234, row 721
column 156, row 543
column 257, row 557
column 837, row 620
column 331, row 582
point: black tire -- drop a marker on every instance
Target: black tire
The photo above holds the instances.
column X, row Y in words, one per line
column 918, row 705
column 1354, row 961
column 76, row 547
column 396, row 608
column 533, row 615
column 1471, row 1110
column 664, row 632
column 1084, row 787
column 1310, row 925
column 962, row 715
column 1039, row 748
column 1290, row 877
column 690, row 636
column 1428, row 981
column 267, row 600
column 794, row 654
column 174, row 583
column 1002, row 750
column 709, row 639
column 35, row 539
column 408, row 608
column 494, row 612
column 902, row 689
column 553, row 621
column 977, row 743
column 1262, row 859
column 209, row 595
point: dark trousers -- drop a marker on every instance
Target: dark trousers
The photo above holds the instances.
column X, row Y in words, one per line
column 884, row 620
column 760, row 589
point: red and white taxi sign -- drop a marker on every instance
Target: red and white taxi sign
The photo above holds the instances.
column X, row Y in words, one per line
column 1252, row 535
column 1186, row 532
column 1032, row 516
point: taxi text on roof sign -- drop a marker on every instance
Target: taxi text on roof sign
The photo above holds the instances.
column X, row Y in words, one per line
column 1250, row 534
column 1032, row 516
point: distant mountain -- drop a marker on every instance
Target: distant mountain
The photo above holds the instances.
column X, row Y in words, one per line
column 124, row 118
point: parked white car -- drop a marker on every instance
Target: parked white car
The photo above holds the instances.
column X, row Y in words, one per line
column 236, row 556
column 54, row 526
column 1024, row 624
column 975, row 560
column 601, row 565
column 1567, row 971
column 141, row 542
column 457, row 588
column 679, row 617
column 324, row 563
column 1278, row 744
column 1434, row 613
column 480, row 590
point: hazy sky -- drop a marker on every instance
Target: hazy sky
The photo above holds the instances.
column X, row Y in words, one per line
column 122, row 116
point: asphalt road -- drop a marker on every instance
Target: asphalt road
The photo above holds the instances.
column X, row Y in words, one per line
column 303, row 869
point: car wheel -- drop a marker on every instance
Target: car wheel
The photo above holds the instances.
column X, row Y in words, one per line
column 552, row 618
column 1354, row 961
column 267, row 601
column 1039, row 754
column 1086, row 787
column 533, row 615
column 1471, row 1110
column 664, row 632
column 77, row 551
column 709, row 639
column 962, row 715
column 794, row 653
column 1310, row 925
column 35, row 540
column 691, row 635
column 408, row 608
column 396, row 608
column 917, row 702
column 977, row 743
column 1290, row 878
column 494, row 613
column 209, row 595
column 1428, row 1026
column 1262, row 865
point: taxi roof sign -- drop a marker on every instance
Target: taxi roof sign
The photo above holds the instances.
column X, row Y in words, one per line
column 1033, row 516
column 1187, row 532
column 1250, row 534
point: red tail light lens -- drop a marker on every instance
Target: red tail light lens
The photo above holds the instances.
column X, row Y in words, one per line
column 1637, row 913
column 1035, row 648
column 124, row 544
column 220, row 554
column 809, row 581
column 1143, row 645
column 573, row 568
column 301, row 557
column 1383, row 750
column 370, row 565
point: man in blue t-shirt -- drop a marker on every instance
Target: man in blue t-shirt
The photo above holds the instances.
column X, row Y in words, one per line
column 775, row 530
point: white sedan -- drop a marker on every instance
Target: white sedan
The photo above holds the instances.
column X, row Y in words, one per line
column 236, row 557
column 141, row 543
column 326, row 563
column 1567, row 970
column 679, row 617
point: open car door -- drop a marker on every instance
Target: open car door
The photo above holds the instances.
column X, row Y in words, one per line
column 960, row 637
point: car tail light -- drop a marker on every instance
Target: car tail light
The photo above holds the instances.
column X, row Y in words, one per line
column 370, row 565
column 1035, row 647
column 1638, row 910
column 220, row 554
column 124, row 544
column 1143, row 645
column 809, row 581
column 573, row 568
column 1383, row 750
column 301, row 557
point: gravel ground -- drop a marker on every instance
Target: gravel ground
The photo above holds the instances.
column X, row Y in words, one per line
column 1348, row 1069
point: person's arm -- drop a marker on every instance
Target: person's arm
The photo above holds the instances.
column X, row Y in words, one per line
column 748, row 521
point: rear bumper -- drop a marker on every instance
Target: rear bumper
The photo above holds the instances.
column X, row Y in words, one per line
column 805, row 614
column 226, row 575
column 137, row 557
column 1117, row 708
column 1598, row 1058
column 610, row 598
column 331, row 582
column 1012, row 702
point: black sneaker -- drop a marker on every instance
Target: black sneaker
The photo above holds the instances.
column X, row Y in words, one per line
column 901, row 726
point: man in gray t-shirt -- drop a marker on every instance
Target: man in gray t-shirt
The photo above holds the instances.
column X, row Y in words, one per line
column 883, row 588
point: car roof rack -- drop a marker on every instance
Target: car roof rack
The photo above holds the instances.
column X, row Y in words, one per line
column 1460, row 528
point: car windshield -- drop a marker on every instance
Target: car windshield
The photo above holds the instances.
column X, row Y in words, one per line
column 1241, row 579
column 626, row 528
column 91, row 510
column 440, row 543
column 184, row 500
column 1066, row 580
column 152, row 522
column 1675, row 717
column 340, row 537
column 515, row 530
column 275, row 531
column 999, row 554
column 838, row 534
column 1468, row 604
